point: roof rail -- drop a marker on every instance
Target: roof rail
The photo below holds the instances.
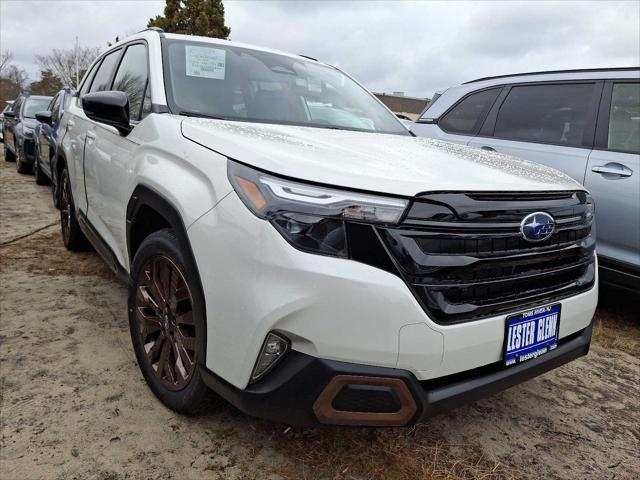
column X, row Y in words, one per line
column 307, row 56
column 578, row 70
column 153, row 29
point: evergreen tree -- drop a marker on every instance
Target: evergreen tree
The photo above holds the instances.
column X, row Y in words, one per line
column 193, row 17
column 48, row 84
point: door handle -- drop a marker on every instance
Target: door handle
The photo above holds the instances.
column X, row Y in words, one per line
column 90, row 137
column 70, row 124
column 488, row 149
column 613, row 169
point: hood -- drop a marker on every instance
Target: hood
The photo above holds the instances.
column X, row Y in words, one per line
column 392, row 164
column 31, row 123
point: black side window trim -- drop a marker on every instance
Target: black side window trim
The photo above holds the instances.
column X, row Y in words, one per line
column 601, row 141
column 475, row 131
column 488, row 129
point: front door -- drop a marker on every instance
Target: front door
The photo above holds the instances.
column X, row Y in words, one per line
column 613, row 175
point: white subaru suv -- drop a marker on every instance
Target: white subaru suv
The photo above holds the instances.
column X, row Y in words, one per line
column 291, row 248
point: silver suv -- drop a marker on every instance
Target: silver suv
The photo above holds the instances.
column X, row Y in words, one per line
column 583, row 122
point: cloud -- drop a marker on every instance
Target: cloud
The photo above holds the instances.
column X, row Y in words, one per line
column 415, row 47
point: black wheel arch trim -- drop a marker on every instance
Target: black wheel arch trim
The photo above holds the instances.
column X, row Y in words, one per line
column 144, row 196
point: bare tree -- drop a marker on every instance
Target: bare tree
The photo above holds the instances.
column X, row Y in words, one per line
column 17, row 75
column 63, row 63
column 5, row 60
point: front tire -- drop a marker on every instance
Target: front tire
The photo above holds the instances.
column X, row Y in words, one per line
column 8, row 155
column 73, row 238
column 167, row 324
column 22, row 167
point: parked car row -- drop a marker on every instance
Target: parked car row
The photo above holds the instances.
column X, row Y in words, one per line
column 291, row 247
column 585, row 123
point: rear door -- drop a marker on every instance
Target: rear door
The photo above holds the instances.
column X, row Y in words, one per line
column 548, row 123
column 613, row 174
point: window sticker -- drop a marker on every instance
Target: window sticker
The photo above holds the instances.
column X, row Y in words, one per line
column 205, row 62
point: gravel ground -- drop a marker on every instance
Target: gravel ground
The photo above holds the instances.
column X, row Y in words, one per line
column 74, row 404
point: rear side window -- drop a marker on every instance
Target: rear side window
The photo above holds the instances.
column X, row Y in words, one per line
column 103, row 76
column 624, row 118
column 467, row 116
column 554, row 114
column 132, row 78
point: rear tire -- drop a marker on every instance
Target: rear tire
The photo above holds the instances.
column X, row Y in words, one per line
column 167, row 324
column 41, row 178
column 73, row 238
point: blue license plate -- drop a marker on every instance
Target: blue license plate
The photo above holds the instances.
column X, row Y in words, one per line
column 531, row 334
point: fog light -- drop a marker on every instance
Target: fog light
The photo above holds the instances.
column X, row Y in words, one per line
column 274, row 348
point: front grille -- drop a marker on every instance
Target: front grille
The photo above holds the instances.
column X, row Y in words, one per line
column 464, row 258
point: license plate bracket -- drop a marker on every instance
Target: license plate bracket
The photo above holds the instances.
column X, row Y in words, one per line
column 531, row 333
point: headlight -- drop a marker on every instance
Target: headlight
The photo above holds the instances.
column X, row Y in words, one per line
column 591, row 207
column 310, row 217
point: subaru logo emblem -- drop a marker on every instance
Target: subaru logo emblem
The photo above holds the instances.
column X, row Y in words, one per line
column 537, row 227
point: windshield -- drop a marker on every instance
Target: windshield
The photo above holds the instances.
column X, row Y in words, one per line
column 236, row 83
column 35, row 105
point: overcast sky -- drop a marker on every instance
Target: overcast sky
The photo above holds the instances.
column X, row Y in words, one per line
column 415, row 47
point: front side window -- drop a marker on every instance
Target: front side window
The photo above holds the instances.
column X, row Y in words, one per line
column 236, row 83
column 35, row 105
column 15, row 108
column 102, row 79
column 87, row 81
column 467, row 116
column 54, row 108
column 554, row 114
column 132, row 78
column 624, row 118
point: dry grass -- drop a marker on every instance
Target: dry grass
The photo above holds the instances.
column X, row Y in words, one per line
column 383, row 454
column 617, row 321
column 45, row 254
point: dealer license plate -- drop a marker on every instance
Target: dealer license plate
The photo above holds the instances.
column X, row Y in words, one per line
column 531, row 334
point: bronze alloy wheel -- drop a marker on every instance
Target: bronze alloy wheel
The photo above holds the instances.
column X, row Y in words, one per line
column 66, row 206
column 164, row 322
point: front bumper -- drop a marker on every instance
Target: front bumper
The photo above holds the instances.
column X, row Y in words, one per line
column 300, row 390
column 336, row 309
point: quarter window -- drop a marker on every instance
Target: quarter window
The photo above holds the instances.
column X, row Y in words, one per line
column 554, row 114
column 103, row 76
column 624, row 118
column 467, row 116
column 132, row 78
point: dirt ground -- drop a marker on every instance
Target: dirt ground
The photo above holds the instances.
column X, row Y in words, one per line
column 74, row 404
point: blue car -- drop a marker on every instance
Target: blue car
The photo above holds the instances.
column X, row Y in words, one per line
column 18, row 130
column 49, row 134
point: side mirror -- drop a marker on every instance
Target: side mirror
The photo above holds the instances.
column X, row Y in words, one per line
column 110, row 108
column 44, row 117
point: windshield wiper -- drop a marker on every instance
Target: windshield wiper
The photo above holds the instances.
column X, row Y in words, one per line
column 201, row 115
